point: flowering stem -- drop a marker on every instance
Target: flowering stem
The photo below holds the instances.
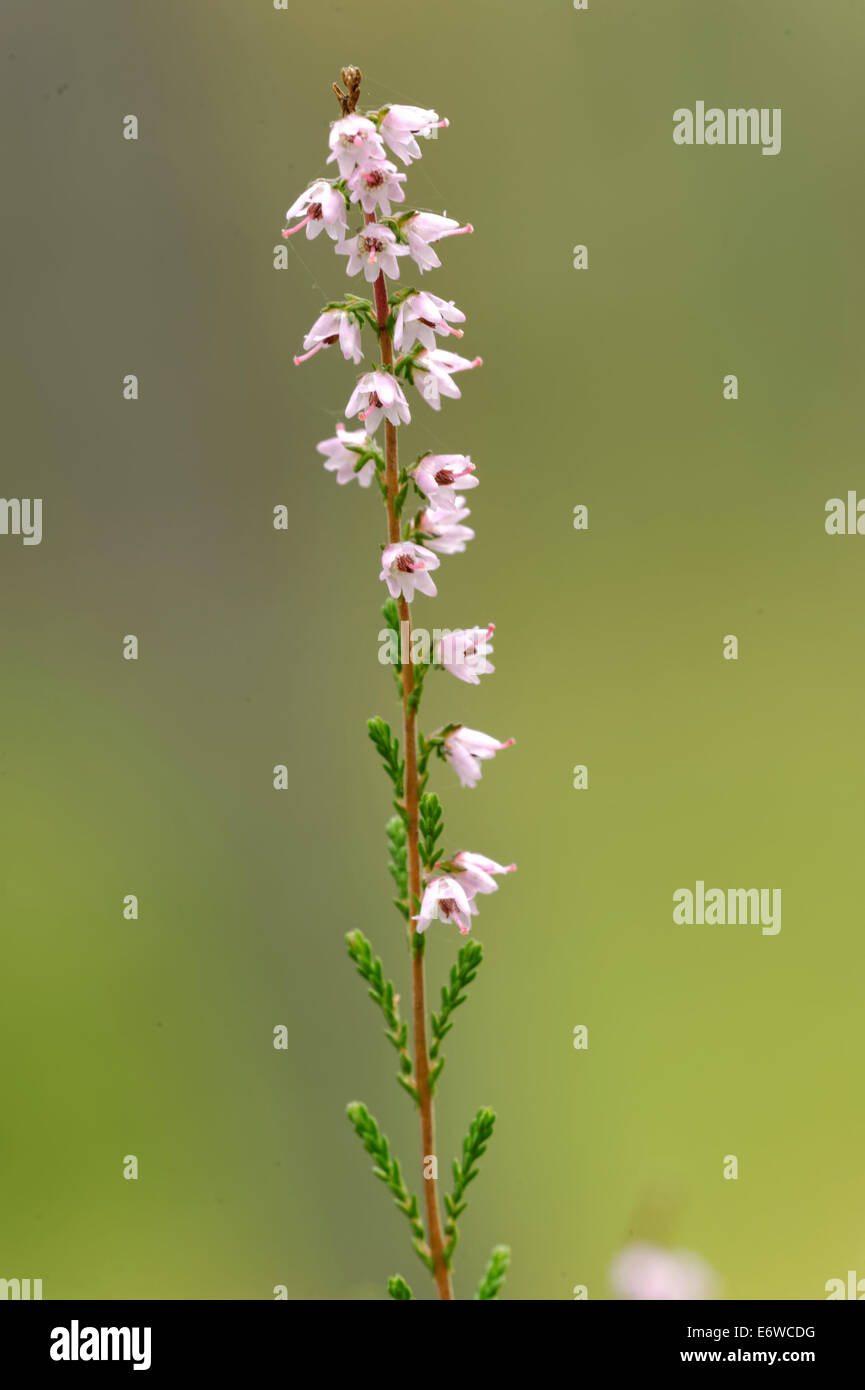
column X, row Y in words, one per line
column 441, row 1272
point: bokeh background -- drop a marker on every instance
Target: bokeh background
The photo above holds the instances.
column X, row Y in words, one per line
column 258, row 647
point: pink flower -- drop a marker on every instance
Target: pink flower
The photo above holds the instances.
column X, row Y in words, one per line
column 438, row 367
column 475, row 871
column 333, row 326
column 354, row 140
column 399, row 126
column 648, row 1272
column 421, row 316
column 342, row 456
column 376, row 185
column 378, row 394
column 464, row 652
column 439, row 476
column 322, row 207
column 373, row 250
column 422, row 229
column 444, row 900
column 444, row 529
column 405, row 567
column 465, row 750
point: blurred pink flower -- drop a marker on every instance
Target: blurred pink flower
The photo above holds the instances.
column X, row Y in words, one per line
column 649, row 1272
column 438, row 366
column 400, row 124
column 443, row 527
column 378, row 395
column 376, row 185
column 444, row 900
column 464, row 653
column 372, row 250
column 420, row 316
column 333, row 326
column 354, row 140
column 465, row 750
column 321, row 207
column 422, row 229
column 440, row 476
column 405, row 567
column 341, row 460
column 476, row 870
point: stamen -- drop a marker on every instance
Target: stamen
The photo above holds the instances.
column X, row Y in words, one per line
column 374, row 404
column 456, row 231
column 372, row 245
column 290, row 231
column 306, row 356
column 325, row 342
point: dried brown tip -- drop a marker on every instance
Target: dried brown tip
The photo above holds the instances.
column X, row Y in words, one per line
column 349, row 98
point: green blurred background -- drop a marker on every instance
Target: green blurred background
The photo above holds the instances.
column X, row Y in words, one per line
column 258, row 647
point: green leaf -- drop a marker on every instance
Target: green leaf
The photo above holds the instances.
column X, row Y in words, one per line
column 397, row 837
column 360, row 309
column 382, row 993
column 465, row 1172
column 495, row 1272
column 419, row 672
column 398, row 1288
column 454, row 994
column 431, row 826
column 396, row 298
column 388, row 749
column 388, row 1171
column 390, row 613
column 399, row 500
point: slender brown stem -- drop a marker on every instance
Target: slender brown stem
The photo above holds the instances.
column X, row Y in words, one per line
column 441, row 1273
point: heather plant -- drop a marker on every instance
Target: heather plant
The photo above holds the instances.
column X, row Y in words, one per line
column 363, row 211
